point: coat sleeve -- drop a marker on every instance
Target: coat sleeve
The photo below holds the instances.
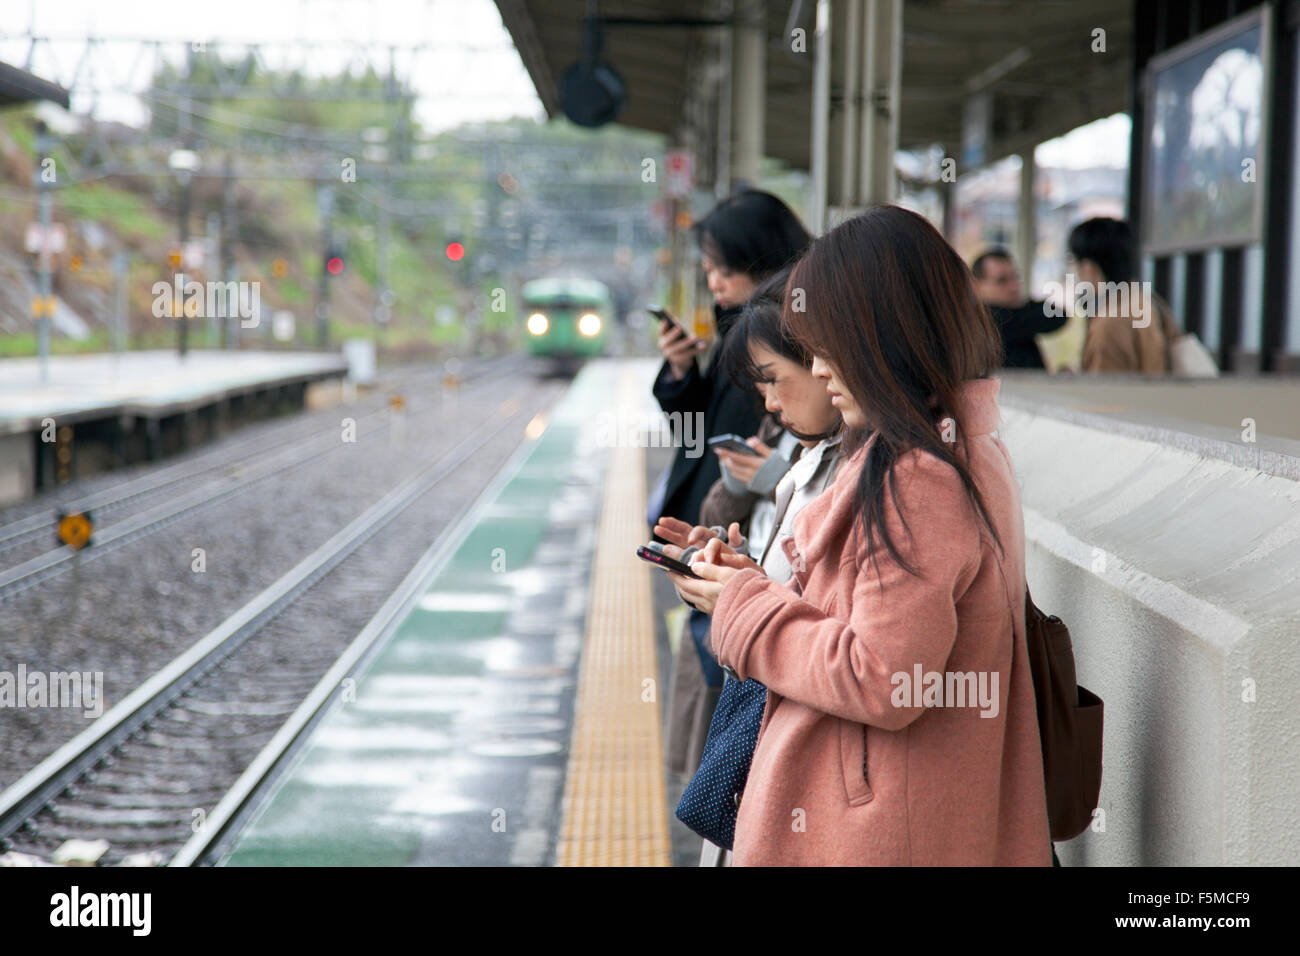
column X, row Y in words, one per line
column 722, row 506
column 845, row 665
column 682, row 395
column 1030, row 319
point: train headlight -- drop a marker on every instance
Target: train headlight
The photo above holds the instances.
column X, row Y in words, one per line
column 537, row 324
column 589, row 324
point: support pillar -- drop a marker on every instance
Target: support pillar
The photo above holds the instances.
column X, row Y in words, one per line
column 1027, row 221
column 881, row 83
column 821, row 108
column 748, row 93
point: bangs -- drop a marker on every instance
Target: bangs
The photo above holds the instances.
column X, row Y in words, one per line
column 742, row 368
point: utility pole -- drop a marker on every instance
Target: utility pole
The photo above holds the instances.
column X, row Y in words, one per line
column 383, row 311
column 325, row 207
column 394, row 151
column 121, row 271
column 184, row 161
column 229, row 329
column 183, row 208
column 43, row 307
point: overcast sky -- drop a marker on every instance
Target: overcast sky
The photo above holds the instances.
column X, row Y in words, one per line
column 475, row 73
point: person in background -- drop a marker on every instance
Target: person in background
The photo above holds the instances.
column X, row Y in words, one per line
column 1129, row 329
column 1018, row 320
column 743, row 240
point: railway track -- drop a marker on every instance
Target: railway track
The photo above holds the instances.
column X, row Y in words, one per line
column 144, row 773
column 227, row 478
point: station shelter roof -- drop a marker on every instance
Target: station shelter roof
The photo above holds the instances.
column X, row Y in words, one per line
column 1036, row 58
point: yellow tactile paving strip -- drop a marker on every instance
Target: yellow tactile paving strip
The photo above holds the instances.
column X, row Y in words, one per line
column 615, row 804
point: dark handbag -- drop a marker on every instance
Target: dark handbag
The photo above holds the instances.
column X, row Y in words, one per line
column 711, row 801
column 1069, row 725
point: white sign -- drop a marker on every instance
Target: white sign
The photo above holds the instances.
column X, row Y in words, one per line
column 193, row 254
column 360, row 354
column 52, row 240
column 679, row 167
column 282, row 324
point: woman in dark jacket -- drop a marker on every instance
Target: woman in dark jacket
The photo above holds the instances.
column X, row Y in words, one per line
column 743, row 240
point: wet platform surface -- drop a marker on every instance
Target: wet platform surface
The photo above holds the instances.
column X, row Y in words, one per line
column 455, row 747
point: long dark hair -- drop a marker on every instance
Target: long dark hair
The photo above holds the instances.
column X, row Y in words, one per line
column 894, row 310
column 752, row 232
column 760, row 323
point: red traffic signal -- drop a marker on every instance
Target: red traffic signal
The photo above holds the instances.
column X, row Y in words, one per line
column 334, row 265
column 455, row 251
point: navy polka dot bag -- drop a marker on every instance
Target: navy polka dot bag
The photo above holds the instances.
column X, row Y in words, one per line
column 711, row 801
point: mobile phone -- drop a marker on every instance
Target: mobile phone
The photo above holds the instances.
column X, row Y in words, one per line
column 653, row 554
column 659, row 312
column 732, row 443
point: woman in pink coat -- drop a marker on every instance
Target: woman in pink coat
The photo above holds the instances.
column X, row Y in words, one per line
column 900, row 726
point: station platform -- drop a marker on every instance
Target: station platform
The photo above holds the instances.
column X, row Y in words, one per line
column 513, row 714
column 134, row 406
column 150, row 384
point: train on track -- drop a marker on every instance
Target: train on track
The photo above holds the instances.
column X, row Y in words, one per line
column 568, row 319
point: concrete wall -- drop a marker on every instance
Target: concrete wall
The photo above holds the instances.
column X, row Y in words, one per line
column 1175, row 562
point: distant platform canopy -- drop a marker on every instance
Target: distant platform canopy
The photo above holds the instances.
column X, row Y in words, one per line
column 18, row 87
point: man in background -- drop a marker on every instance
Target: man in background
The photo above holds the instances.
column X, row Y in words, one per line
column 997, row 281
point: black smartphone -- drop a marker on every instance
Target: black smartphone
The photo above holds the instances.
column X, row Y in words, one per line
column 658, row 558
column 659, row 312
column 732, row 443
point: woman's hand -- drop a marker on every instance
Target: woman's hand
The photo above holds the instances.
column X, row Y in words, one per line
column 678, row 348
column 681, row 534
column 716, row 564
column 744, row 467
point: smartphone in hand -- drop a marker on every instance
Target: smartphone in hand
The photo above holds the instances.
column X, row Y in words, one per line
column 663, row 315
column 653, row 553
column 732, row 443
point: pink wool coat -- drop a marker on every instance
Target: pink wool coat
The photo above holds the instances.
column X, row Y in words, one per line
column 849, row 770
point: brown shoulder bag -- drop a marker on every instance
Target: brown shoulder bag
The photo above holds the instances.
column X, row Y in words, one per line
column 1069, row 723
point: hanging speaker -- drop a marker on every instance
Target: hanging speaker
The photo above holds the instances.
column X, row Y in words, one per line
column 591, row 93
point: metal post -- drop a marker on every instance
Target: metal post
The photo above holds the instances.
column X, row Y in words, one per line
column 722, row 169
column 821, row 105
column 881, row 80
column 185, row 173
column 182, row 329
column 852, row 72
column 394, row 151
column 383, row 313
column 1027, row 220
column 229, row 211
column 948, row 195
column 121, row 272
column 325, row 207
column 748, row 92
column 44, row 271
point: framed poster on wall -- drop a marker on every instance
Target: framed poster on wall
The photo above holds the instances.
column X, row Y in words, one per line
column 1206, row 108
